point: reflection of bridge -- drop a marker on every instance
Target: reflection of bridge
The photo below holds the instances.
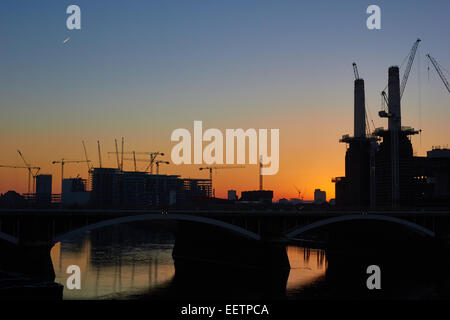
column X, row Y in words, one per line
column 246, row 238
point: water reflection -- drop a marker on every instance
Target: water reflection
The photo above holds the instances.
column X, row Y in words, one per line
column 135, row 262
column 308, row 267
column 128, row 262
column 112, row 268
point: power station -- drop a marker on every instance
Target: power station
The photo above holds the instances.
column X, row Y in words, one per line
column 380, row 168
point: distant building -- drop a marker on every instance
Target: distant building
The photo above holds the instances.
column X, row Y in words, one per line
column 196, row 189
column 43, row 189
column 232, row 195
column 381, row 170
column 112, row 188
column 384, row 170
column 12, row 199
column 74, row 192
column 432, row 178
column 261, row 196
column 105, row 187
column 296, row 200
column 439, row 177
column 320, row 196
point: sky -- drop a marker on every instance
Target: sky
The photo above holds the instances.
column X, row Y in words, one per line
column 141, row 69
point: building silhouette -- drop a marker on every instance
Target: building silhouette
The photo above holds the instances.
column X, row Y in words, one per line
column 43, row 189
column 320, row 196
column 113, row 188
column 381, row 170
column 354, row 188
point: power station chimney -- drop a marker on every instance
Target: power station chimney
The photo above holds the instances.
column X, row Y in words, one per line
column 360, row 109
column 395, row 122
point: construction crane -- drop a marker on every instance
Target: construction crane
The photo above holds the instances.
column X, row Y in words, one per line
column 28, row 169
column 384, row 113
column 63, row 162
column 153, row 156
column 30, row 172
column 355, row 71
column 439, row 71
column 17, row 167
column 87, row 159
column 99, row 154
column 412, row 54
column 135, row 160
column 151, row 161
column 217, row 168
column 117, row 155
column 158, row 163
column 121, row 163
column 300, row 197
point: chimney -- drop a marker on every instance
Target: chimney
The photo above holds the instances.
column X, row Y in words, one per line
column 360, row 109
column 394, row 99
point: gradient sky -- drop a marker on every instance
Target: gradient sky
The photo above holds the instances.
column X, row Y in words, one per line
column 141, row 69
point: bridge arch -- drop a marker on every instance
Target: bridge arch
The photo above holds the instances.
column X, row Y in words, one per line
column 353, row 217
column 9, row 238
column 161, row 217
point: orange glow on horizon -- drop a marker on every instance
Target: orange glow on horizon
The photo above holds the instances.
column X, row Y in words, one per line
column 310, row 154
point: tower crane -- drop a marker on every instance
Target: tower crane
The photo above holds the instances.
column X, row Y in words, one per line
column 158, row 163
column 300, row 197
column 121, row 163
column 439, row 71
column 18, row 167
column 87, row 159
column 412, row 54
column 217, row 168
column 135, row 160
column 153, row 156
column 63, row 162
column 99, row 154
column 117, row 155
column 355, row 71
column 28, row 169
column 151, row 161
column 30, row 172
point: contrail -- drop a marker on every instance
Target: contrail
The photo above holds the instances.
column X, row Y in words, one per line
column 65, row 40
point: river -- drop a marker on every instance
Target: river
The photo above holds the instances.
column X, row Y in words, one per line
column 135, row 262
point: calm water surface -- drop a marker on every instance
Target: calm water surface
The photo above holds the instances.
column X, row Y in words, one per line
column 135, row 262
column 128, row 262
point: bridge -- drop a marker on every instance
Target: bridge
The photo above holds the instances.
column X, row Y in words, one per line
column 245, row 239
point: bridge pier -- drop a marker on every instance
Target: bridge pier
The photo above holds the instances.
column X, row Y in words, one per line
column 203, row 251
column 212, row 246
